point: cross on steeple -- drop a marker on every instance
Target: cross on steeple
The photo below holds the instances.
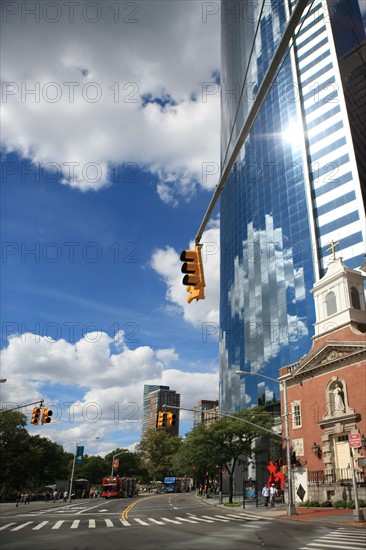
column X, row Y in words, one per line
column 332, row 248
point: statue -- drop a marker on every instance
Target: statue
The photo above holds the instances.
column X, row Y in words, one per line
column 338, row 399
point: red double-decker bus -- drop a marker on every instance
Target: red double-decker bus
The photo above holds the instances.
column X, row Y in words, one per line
column 118, row 487
column 112, row 487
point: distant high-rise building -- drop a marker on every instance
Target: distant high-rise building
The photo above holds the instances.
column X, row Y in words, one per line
column 154, row 399
column 206, row 412
column 295, row 186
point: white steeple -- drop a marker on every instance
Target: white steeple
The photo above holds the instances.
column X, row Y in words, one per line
column 339, row 298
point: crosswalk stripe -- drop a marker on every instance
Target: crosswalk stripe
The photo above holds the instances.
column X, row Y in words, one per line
column 140, row 521
column 92, row 524
column 109, row 523
column 21, row 526
column 341, row 538
column 236, row 516
column 334, row 545
column 217, row 518
column 225, row 518
column 58, row 524
column 40, row 525
column 75, row 524
column 201, row 519
column 172, row 521
column 6, row 526
column 187, row 520
column 125, row 522
column 156, row 521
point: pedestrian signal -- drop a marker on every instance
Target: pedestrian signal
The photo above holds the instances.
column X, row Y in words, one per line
column 46, row 416
column 35, row 415
column 170, row 421
column 194, row 278
column 162, row 419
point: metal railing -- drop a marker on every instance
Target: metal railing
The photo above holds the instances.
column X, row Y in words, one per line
column 335, row 475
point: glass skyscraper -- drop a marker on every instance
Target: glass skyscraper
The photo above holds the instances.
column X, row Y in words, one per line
column 295, row 186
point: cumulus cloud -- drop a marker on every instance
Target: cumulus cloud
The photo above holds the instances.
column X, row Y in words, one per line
column 167, row 264
column 111, row 92
column 101, row 381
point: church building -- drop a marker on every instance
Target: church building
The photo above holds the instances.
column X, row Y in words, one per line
column 326, row 393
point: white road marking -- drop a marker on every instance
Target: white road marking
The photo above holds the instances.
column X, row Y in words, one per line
column 21, row 526
column 172, row 521
column 40, row 525
column 75, row 524
column 125, row 522
column 58, row 524
column 156, row 521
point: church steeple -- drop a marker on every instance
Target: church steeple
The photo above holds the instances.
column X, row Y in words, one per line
column 339, row 298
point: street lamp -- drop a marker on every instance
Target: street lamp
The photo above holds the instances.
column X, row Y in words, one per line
column 291, row 509
column 73, row 464
column 115, row 456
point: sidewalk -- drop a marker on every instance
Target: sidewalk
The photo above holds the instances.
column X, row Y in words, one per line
column 316, row 515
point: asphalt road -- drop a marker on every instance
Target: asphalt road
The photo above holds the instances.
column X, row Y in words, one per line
column 158, row 522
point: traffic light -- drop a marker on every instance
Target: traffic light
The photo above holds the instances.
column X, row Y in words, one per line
column 194, row 278
column 162, row 419
column 35, row 415
column 170, row 421
column 46, row 416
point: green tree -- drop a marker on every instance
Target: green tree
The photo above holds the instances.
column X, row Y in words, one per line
column 93, row 468
column 157, row 450
column 222, row 443
column 130, row 464
column 15, row 453
column 48, row 462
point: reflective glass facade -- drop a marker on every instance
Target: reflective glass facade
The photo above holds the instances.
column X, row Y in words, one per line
column 295, row 187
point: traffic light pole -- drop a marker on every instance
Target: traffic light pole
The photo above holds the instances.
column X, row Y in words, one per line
column 24, row 405
column 263, row 90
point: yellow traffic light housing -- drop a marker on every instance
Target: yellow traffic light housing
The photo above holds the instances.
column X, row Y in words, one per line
column 170, row 421
column 194, row 278
column 35, row 415
column 162, row 420
column 46, row 416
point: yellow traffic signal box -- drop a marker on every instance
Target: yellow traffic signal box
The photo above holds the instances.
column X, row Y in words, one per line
column 194, row 278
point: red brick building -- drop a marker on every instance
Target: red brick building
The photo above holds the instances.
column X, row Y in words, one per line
column 326, row 392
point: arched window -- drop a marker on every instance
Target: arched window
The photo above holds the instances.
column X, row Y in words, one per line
column 331, row 303
column 355, row 298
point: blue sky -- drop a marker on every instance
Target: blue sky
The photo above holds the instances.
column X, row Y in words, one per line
column 99, row 196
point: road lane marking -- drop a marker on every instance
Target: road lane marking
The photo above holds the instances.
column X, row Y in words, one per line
column 156, row 521
column 21, row 526
column 109, row 523
column 58, row 524
column 172, row 521
column 6, row 526
column 225, row 518
column 75, row 524
column 187, row 520
column 125, row 522
column 216, row 518
column 92, row 524
column 201, row 518
column 40, row 525
column 140, row 521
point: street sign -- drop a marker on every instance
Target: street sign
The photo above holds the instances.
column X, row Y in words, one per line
column 354, row 440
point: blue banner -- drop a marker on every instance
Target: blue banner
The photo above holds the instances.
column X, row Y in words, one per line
column 79, row 455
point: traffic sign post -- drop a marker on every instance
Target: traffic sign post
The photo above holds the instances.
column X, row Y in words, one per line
column 355, row 442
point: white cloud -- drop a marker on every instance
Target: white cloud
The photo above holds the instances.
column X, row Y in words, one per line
column 93, row 108
column 167, row 264
column 101, row 384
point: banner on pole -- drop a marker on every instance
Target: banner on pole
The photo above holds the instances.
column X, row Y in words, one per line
column 79, row 455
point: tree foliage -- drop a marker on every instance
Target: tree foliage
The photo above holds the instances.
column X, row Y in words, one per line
column 157, row 450
column 206, row 449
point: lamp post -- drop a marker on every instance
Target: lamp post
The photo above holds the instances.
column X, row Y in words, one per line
column 115, row 456
column 73, row 464
column 291, row 509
